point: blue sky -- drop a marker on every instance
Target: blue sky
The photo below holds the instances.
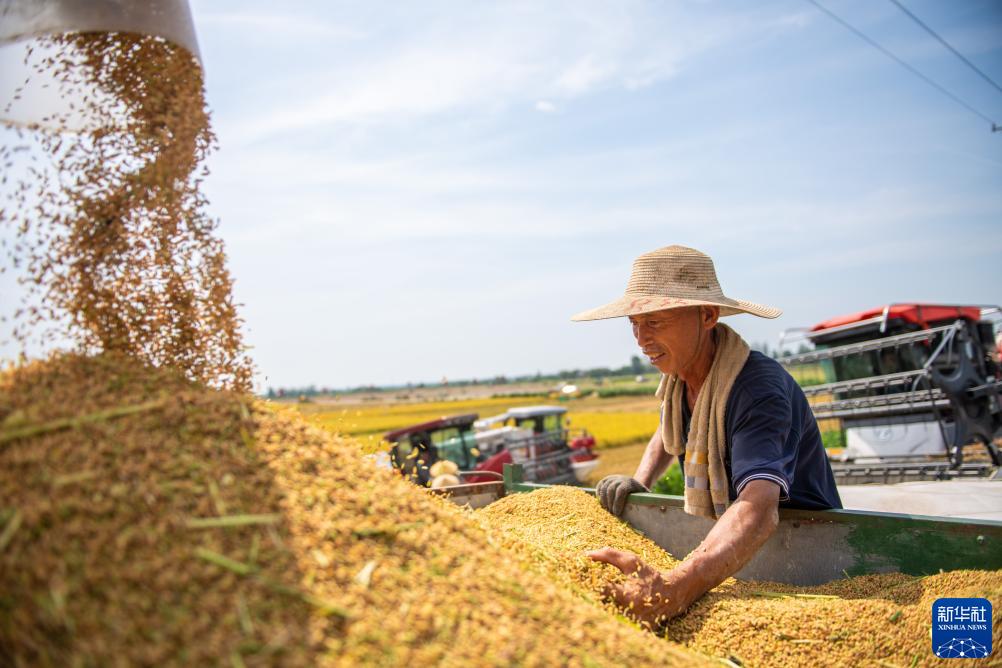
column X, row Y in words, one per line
column 415, row 190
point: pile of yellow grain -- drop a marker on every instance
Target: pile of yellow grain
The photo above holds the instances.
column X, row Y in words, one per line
column 882, row 619
column 553, row 528
column 146, row 520
column 867, row 620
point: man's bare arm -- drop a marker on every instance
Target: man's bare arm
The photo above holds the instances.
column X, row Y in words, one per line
column 654, row 462
column 732, row 542
column 735, row 538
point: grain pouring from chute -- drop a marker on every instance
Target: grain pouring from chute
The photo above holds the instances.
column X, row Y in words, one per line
column 114, row 248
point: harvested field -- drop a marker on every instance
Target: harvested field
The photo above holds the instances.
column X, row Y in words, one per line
column 147, row 520
column 874, row 619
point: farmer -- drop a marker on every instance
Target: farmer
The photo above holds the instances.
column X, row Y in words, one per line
column 737, row 422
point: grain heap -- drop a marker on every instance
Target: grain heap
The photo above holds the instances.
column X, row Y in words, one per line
column 881, row 618
column 148, row 520
column 555, row 527
column 113, row 243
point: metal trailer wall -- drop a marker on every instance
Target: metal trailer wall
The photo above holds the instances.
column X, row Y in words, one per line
column 809, row 547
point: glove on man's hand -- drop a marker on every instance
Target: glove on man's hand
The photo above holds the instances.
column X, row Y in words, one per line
column 613, row 490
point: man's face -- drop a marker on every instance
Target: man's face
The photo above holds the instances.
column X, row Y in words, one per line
column 671, row 338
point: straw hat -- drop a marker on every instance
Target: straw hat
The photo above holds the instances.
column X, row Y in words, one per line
column 674, row 277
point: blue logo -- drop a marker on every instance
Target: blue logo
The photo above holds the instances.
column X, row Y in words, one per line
column 962, row 628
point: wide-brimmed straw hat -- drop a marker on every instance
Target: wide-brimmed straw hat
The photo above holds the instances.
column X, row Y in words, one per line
column 674, row 277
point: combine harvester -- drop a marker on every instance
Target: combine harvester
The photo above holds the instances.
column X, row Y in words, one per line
column 533, row 436
column 908, row 387
column 912, row 392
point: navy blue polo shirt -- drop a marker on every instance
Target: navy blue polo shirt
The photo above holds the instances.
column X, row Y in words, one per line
column 772, row 435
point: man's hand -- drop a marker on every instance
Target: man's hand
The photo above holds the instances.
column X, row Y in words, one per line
column 613, row 490
column 654, row 597
column 648, row 596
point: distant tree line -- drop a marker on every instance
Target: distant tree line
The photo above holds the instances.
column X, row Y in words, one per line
column 775, row 352
column 638, row 366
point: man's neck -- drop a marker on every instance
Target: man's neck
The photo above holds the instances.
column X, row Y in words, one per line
column 696, row 374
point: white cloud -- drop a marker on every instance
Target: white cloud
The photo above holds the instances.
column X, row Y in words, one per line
column 485, row 57
column 584, row 75
column 545, row 106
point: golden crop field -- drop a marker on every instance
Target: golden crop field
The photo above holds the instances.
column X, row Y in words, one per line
column 600, row 417
column 370, row 419
column 368, row 423
column 612, row 430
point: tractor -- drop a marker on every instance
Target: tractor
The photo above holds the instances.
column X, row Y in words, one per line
column 532, row 436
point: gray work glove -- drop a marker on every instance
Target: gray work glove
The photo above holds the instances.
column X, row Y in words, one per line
column 613, row 490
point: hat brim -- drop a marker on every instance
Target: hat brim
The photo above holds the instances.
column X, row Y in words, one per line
column 627, row 306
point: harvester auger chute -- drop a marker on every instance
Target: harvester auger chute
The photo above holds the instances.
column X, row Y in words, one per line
column 23, row 22
column 903, row 389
